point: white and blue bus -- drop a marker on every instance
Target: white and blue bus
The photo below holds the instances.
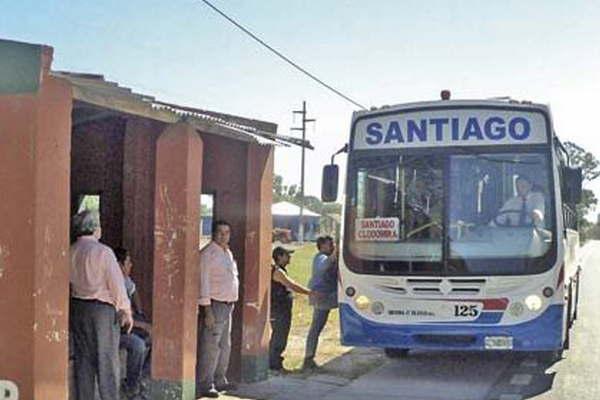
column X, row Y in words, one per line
column 459, row 228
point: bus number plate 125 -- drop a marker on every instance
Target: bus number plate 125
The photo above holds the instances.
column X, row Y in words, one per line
column 466, row 310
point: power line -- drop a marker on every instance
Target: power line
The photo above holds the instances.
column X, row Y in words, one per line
column 280, row 55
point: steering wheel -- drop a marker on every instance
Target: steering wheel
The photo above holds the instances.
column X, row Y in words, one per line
column 417, row 209
column 507, row 221
column 423, row 227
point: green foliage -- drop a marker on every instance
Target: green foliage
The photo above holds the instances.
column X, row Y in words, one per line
column 584, row 159
column 291, row 193
column 205, row 211
column 90, row 202
column 590, row 167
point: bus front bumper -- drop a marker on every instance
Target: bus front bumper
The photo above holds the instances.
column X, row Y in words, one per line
column 543, row 333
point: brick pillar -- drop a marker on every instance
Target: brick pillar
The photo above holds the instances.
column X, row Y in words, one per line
column 257, row 274
column 139, row 160
column 35, row 131
column 177, row 213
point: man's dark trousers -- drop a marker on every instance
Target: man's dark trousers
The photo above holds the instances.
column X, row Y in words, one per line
column 95, row 330
column 281, row 321
column 136, row 355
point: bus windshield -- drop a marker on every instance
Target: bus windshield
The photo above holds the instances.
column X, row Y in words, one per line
column 464, row 213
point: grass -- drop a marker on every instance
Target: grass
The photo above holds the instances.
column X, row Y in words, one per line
column 329, row 352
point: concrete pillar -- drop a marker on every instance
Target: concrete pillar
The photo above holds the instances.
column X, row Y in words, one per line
column 177, row 216
column 35, row 131
column 227, row 180
column 257, row 258
column 139, row 161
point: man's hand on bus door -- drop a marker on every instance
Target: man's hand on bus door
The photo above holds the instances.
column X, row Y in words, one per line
column 334, row 256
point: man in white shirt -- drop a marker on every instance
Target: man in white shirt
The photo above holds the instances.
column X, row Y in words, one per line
column 525, row 208
column 98, row 303
column 219, row 285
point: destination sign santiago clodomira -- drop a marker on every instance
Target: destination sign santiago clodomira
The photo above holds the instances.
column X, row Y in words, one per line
column 450, row 127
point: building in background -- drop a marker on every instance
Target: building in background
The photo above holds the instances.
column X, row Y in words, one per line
column 287, row 216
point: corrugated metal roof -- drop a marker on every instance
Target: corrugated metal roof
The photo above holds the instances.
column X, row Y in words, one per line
column 94, row 89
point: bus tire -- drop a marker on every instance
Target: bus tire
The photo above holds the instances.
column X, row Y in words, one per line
column 395, row 353
column 567, row 342
column 578, row 275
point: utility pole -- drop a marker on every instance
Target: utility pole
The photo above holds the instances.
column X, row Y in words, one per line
column 303, row 130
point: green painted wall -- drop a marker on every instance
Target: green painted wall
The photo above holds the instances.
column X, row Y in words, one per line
column 19, row 67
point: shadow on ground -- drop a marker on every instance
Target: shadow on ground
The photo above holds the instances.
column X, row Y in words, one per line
column 314, row 384
column 529, row 375
column 422, row 375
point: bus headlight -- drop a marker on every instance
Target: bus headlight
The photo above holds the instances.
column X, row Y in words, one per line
column 362, row 302
column 377, row 308
column 533, row 302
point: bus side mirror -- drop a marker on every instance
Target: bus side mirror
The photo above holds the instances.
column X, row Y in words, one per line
column 329, row 186
column 573, row 185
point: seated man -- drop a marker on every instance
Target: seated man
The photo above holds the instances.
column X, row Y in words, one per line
column 137, row 343
column 526, row 208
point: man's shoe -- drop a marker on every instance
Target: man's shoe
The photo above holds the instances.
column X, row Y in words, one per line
column 309, row 364
column 226, row 387
column 129, row 392
column 211, row 393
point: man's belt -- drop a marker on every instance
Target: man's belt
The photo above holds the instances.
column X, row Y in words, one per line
column 222, row 302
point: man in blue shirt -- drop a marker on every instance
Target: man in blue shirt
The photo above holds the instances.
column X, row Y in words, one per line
column 323, row 284
column 138, row 342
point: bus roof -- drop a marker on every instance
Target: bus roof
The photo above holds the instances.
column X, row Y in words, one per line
column 502, row 102
column 445, row 123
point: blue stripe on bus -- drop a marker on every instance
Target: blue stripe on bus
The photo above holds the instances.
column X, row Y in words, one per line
column 484, row 318
column 540, row 334
column 488, row 318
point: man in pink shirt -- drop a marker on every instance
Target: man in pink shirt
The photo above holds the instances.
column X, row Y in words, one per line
column 219, row 286
column 99, row 305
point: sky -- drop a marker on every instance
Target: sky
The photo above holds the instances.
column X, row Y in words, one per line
column 378, row 53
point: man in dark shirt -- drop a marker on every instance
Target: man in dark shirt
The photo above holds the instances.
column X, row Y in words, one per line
column 282, row 288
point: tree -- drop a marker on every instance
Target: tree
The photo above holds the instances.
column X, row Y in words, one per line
column 291, row 193
column 584, row 159
column 590, row 167
column 278, row 188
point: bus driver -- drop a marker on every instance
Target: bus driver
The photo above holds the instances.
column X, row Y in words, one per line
column 524, row 209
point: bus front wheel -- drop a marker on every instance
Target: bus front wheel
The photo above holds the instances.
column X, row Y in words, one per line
column 396, row 353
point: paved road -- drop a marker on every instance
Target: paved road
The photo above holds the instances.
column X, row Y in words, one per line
column 498, row 376
column 471, row 376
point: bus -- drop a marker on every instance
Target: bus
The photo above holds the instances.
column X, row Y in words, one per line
column 459, row 228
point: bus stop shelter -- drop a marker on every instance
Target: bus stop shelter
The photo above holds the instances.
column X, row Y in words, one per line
column 64, row 136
